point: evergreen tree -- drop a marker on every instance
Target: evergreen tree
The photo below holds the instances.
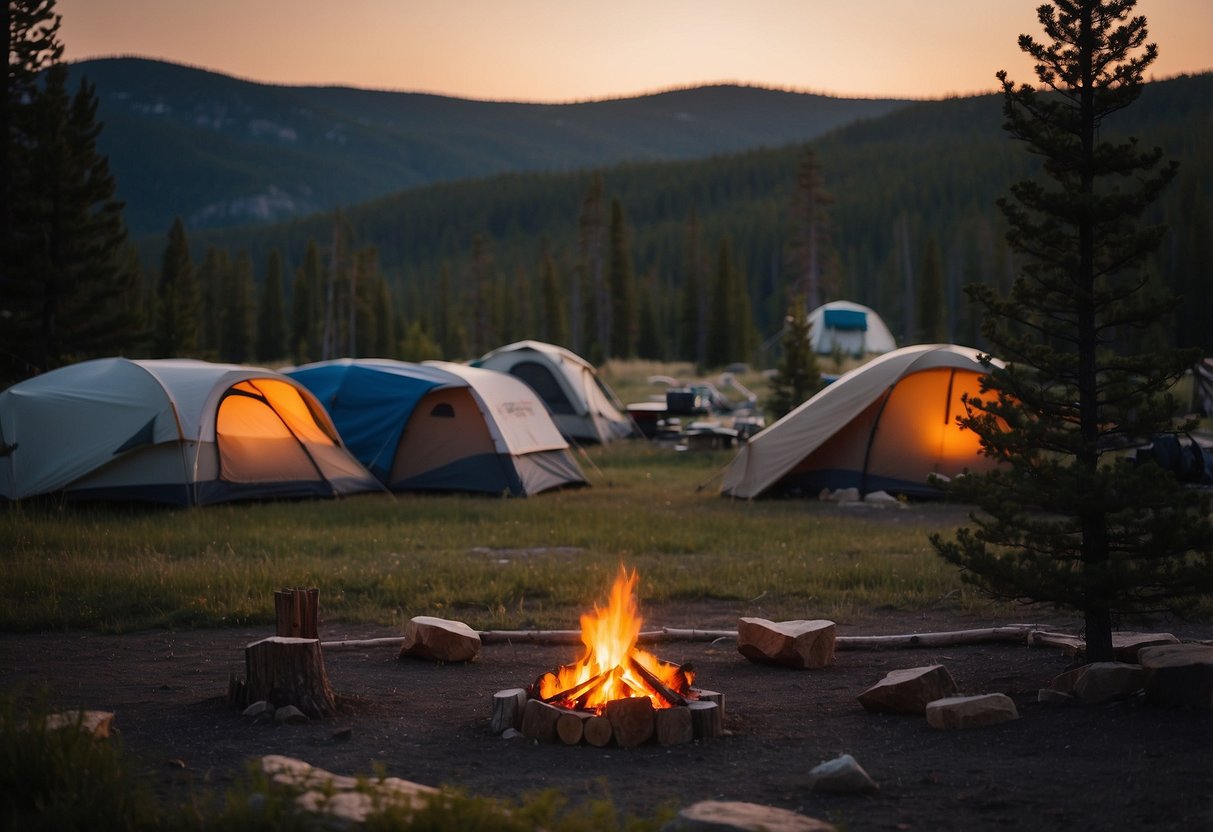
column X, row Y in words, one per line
column 67, row 291
column 237, row 312
column 622, row 288
column 553, row 320
column 271, row 342
column 1067, row 519
column 178, row 303
column 722, row 345
column 797, row 376
column 693, row 309
column 211, row 278
column 650, row 339
column 591, row 292
column 306, row 291
column 932, row 304
column 808, row 253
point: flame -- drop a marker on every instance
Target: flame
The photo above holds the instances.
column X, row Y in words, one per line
column 607, row 666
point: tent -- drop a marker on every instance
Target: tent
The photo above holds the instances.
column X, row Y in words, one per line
column 850, row 328
column 887, row 425
column 443, row 427
column 171, row 431
column 584, row 409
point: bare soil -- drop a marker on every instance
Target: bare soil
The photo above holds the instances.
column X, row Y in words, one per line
column 1124, row 765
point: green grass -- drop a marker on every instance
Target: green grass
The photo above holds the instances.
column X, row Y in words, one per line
column 494, row 563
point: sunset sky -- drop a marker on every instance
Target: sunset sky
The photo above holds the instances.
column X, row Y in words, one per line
column 566, row 50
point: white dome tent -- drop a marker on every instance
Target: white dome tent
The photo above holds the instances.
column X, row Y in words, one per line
column 849, row 328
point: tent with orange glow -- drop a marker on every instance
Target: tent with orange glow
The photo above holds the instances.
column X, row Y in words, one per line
column 888, row 425
column 171, row 431
column 440, row 426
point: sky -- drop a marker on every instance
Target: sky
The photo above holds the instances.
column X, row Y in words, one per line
column 576, row 50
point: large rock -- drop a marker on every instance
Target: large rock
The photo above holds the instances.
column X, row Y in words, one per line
column 971, row 711
column 439, row 640
column 908, row 691
column 842, row 775
column 800, row 644
column 1099, row 682
column 344, row 801
column 1179, row 675
column 734, row 816
column 96, row 724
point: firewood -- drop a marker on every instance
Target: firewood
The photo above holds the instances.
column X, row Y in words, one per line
column 800, row 644
column 705, row 719
column 710, row 696
column 570, row 726
column 577, row 691
column 673, row 726
column 439, row 640
column 539, row 721
column 598, row 732
column 289, row 671
column 631, row 720
column 296, row 613
column 508, row 706
column 670, row 696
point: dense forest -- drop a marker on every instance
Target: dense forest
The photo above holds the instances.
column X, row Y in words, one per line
column 696, row 260
column 689, row 260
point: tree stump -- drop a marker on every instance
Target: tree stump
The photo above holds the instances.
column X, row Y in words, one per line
column 296, row 612
column 289, row 671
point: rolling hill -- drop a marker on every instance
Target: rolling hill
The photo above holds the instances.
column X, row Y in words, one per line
column 219, row 151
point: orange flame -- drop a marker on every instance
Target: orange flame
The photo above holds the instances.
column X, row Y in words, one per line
column 605, row 671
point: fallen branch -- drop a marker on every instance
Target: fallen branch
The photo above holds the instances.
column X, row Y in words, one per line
column 1026, row 633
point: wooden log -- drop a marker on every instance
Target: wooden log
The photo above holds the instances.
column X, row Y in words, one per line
column 570, row 726
column 705, row 720
column 577, row 691
column 631, row 720
column 508, row 706
column 710, row 696
column 297, row 612
column 289, row 671
column 670, row 696
column 539, row 720
column 673, row 726
column 598, row 732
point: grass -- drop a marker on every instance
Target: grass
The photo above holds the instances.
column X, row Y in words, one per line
column 494, row 563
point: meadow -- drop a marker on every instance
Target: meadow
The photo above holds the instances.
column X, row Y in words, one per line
column 380, row 559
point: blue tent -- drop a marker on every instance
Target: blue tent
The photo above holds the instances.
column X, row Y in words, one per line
column 442, row 427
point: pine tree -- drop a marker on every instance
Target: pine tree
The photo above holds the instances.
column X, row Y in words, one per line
column 693, row 309
column 211, row 276
column 67, row 291
column 1068, row 520
column 723, row 343
column 797, row 376
column 622, row 288
column 178, row 302
column 592, row 292
column 305, row 337
column 808, row 254
column 237, row 312
column 932, row 304
column 553, row 319
column 271, row 342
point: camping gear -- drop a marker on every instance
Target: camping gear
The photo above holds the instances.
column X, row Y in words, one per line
column 171, row 431
column 849, row 328
column 439, row 426
column 889, row 425
column 583, row 407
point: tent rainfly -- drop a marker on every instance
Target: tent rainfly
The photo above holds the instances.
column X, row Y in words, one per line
column 439, row 426
column 171, row 431
column 850, row 328
column 889, row 425
column 583, row 407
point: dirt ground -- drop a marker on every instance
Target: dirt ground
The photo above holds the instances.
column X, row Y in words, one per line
column 1119, row 766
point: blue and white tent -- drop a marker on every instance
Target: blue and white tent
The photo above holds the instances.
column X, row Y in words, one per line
column 439, row 426
column 850, row 328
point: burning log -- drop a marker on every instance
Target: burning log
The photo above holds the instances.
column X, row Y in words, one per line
column 670, row 696
column 632, row 720
column 575, row 694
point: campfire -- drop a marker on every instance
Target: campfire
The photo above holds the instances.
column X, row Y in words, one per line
column 616, row 691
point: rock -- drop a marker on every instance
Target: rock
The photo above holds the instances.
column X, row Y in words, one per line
column 971, row 711
column 439, row 640
column 881, row 498
column 290, row 715
column 1050, row 696
column 842, row 775
column 510, row 733
column 344, row 801
column 96, row 724
column 908, row 691
column 257, row 709
column 1104, row 681
column 1127, row 646
column 1178, row 675
column 800, row 644
column 734, row 816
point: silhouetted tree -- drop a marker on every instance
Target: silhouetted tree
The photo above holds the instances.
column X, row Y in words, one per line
column 808, row 254
column 1068, row 520
column 553, row 318
column 306, row 299
column 932, row 304
column 178, row 304
column 271, row 340
column 622, row 288
column 797, row 376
